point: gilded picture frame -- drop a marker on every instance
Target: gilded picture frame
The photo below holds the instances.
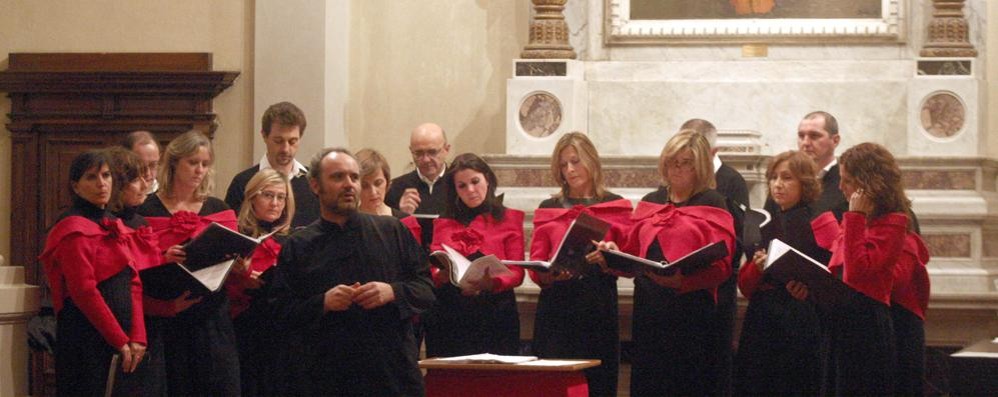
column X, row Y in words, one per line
column 754, row 21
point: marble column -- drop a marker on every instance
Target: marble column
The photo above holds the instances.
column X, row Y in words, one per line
column 18, row 303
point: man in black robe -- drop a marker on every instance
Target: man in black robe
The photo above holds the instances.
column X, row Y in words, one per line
column 351, row 284
column 732, row 186
column 818, row 136
column 421, row 192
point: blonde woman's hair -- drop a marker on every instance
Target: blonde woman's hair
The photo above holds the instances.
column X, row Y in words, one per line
column 183, row 146
column 703, row 163
column 248, row 222
column 589, row 158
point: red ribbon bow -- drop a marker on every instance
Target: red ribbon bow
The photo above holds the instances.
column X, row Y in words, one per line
column 184, row 222
column 114, row 228
column 467, row 241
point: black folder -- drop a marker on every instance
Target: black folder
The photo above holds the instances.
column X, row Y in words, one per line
column 575, row 245
column 209, row 259
column 785, row 263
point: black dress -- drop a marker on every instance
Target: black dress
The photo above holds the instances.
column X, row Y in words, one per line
column 199, row 343
column 679, row 327
column 578, row 318
column 783, row 345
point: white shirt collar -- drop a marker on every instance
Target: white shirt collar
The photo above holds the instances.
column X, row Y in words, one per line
column 827, row 168
column 717, row 163
column 427, row 180
column 297, row 169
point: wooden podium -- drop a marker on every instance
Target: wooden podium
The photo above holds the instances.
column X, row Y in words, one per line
column 533, row 378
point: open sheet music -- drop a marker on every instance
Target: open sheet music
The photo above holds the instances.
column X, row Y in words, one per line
column 695, row 261
column 464, row 273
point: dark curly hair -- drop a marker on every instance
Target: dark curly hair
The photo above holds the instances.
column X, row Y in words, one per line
column 874, row 169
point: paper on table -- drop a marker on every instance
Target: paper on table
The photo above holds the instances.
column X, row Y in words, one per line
column 552, row 363
column 489, row 358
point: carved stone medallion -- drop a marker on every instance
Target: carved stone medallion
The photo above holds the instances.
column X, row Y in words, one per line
column 540, row 114
column 942, row 115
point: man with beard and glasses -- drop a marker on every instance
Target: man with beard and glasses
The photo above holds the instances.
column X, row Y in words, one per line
column 350, row 285
column 282, row 127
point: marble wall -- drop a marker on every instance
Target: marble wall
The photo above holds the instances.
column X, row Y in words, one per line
column 639, row 94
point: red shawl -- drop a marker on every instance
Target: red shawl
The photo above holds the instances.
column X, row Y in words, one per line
column 679, row 231
column 79, row 253
column 503, row 239
column 551, row 224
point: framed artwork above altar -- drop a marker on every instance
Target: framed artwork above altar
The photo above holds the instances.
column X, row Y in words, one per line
column 754, row 21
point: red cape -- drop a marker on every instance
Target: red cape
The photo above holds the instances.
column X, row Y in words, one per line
column 679, row 231
column 867, row 254
column 264, row 257
column 79, row 253
column 551, row 224
column 413, row 224
column 503, row 239
column 911, row 278
column 185, row 224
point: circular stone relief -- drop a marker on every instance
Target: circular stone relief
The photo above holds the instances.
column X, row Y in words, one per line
column 942, row 115
column 540, row 114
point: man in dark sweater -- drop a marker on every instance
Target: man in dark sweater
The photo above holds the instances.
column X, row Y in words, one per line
column 818, row 136
column 421, row 192
column 732, row 186
column 282, row 127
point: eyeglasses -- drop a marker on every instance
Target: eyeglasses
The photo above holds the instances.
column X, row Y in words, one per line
column 271, row 196
column 682, row 165
column 426, row 152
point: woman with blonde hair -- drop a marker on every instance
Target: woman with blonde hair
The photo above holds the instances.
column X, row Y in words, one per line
column 199, row 342
column 674, row 313
column 577, row 314
column 782, row 336
column 268, row 208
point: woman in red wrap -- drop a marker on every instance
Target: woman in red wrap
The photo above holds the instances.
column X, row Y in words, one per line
column 577, row 313
column 482, row 318
column 782, row 349
column 91, row 259
column 199, row 342
column 269, row 207
column 673, row 313
column 865, row 253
